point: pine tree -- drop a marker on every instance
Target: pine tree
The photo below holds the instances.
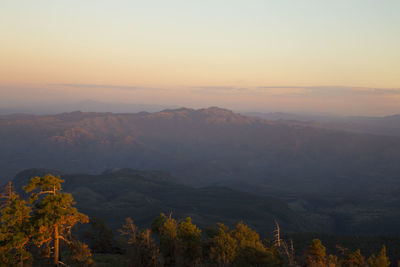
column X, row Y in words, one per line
column 316, row 255
column 15, row 232
column 381, row 260
column 100, row 236
column 332, row 261
column 53, row 213
column 168, row 241
column 246, row 237
column 78, row 254
column 189, row 236
column 353, row 259
column 5, row 196
column 224, row 247
column 251, row 250
column 158, row 223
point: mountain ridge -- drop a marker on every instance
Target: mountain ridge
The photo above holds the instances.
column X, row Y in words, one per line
column 117, row 194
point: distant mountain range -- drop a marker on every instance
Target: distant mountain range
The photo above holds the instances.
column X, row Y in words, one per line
column 200, row 147
column 387, row 125
column 336, row 174
column 85, row 106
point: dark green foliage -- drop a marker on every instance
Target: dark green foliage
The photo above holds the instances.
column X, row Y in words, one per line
column 368, row 245
column 169, row 242
column 78, row 254
column 100, row 237
column 51, row 216
column 251, row 256
column 143, row 195
column 142, row 250
column 158, row 223
column 15, row 233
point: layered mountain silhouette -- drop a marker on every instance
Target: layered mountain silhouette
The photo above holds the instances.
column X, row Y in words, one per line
column 339, row 177
column 200, row 147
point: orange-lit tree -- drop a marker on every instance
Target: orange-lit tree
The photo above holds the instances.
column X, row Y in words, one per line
column 53, row 213
column 15, row 231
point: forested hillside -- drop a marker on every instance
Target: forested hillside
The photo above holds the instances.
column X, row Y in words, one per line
column 115, row 195
column 48, row 232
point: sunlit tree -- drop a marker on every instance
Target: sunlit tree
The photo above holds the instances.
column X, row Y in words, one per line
column 15, row 231
column 381, row 260
column 224, row 247
column 316, row 254
column 53, row 213
column 189, row 239
column 352, row 259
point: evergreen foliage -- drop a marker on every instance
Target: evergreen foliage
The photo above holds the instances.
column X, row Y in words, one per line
column 316, row 255
column 223, row 246
column 142, row 251
column 381, row 260
column 15, row 232
column 100, row 236
column 30, row 230
column 189, row 240
column 352, row 259
column 53, row 214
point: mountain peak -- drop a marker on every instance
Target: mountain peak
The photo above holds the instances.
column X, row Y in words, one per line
column 216, row 110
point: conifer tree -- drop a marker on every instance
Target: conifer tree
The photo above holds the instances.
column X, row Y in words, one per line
column 168, row 241
column 251, row 250
column 381, row 260
column 167, row 229
column 246, row 237
column 158, row 222
column 332, row 261
column 100, row 236
column 5, row 196
column 78, row 254
column 189, row 236
column 53, row 213
column 15, row 232
column 316, row 255
column 352, row 259
column 223, row 248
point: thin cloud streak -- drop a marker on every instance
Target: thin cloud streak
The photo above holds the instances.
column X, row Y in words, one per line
column 103, row 86
column 220, row 90
column 299, row 91
column 337, row 90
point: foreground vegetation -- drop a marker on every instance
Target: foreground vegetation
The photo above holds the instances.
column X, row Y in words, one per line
column 38, row 232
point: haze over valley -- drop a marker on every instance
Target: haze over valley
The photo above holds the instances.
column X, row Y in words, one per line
column 326, row 172
column 200, row 133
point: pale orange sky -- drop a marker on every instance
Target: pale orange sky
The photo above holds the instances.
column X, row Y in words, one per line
column 340, row 56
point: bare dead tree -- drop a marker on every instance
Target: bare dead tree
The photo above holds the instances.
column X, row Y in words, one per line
column 277, row 235
column 283, row 247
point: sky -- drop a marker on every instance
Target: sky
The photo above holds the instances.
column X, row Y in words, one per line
column 339, row 56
